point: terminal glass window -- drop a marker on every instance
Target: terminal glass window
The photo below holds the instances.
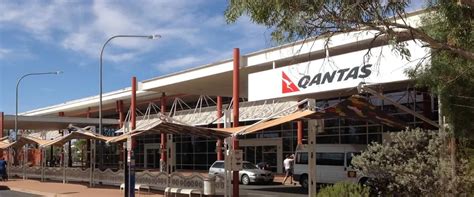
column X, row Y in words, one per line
column 330, row 159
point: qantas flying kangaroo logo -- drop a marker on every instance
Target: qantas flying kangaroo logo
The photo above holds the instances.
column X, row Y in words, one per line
column 324, row 78
column 287, row 85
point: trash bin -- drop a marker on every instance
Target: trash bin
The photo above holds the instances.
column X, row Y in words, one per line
column 210, row 186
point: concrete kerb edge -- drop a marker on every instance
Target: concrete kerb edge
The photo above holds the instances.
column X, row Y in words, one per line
column 35, row 192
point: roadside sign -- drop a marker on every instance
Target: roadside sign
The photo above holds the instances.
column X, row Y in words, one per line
column 237, row 159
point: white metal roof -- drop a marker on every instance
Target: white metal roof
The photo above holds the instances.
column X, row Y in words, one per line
column 215, row 79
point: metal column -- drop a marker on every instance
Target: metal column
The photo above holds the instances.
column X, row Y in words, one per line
column 314, row 126
column 163, row 137
column 130, row 170
column 235, row 113
column 220, row 156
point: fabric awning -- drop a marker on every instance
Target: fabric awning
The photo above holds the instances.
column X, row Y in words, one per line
column 5, row 143
column 354, row 107
column 270, row 123
column 22, row 140
column 75, row 135
column 164, row 124
column 357, row 107
column 29, row 140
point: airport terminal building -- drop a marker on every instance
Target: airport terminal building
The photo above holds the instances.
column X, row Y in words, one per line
column 270, row 80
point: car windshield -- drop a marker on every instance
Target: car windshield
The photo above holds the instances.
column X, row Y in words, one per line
column 248, row 166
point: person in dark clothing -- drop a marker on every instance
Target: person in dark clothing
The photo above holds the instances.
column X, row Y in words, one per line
column 3, row 169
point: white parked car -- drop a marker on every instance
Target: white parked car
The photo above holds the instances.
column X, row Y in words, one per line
column 333, row 164
column 249, row 174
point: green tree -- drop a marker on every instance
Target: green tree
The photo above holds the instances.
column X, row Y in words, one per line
column 415, row 163
column 449, row 74
column 447, row 29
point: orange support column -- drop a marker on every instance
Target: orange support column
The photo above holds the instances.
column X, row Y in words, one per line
column 235, row 113
column 163, row 136
column 299, row 132
column 129, row 172
column 220, row 156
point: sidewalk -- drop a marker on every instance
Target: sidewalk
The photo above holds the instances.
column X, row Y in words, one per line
column 76, row 189
column 58, row 189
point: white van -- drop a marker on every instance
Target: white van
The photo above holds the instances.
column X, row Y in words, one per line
column 333, row 163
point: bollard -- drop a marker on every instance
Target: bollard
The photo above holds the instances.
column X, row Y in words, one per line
column 210, row 186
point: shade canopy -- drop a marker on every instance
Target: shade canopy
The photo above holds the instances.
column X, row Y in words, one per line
column 165, row 124
column 354, row 107
column 5, row 143
column 359, row 108
column 22, row 140
column 76, row 133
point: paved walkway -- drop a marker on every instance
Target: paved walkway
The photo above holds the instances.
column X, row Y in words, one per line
column 51, row 188
column 70, row 189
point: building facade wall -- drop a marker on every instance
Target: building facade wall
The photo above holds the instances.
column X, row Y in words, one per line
column 197, row 153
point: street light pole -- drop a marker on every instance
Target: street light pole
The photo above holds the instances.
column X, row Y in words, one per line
column 16, row 99
column 151, row 37
column 25, row 152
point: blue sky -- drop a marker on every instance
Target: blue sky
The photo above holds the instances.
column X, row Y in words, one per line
column 41, row 36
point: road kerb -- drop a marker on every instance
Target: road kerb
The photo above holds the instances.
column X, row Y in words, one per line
column 46, row 194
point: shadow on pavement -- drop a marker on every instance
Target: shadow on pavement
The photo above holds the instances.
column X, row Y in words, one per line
column 4, row 187
column 70, row 193
column 283, row 189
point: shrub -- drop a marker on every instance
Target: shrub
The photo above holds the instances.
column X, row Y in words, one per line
column 415, row 163
column 344, row 189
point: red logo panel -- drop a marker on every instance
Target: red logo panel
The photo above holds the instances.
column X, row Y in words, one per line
column 287, row 85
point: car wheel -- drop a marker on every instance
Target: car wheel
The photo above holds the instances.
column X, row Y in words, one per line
column 245, row 179
column 304, row 181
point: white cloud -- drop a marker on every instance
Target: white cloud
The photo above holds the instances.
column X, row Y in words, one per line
column 146, row 18
column 178, row 63
column 40, row 18
column 83, row 27
column 14, row 53
column 4, row 52
column 206, row 56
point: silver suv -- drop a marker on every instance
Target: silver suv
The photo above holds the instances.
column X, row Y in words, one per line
column 249, row 174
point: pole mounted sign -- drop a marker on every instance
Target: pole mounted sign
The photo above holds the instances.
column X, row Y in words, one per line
column 237, row 159
column 335, row 73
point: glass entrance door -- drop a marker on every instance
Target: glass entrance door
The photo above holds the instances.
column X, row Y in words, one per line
column 264, row 150
column 257, row 154
column 269, row 155
column 152, row 158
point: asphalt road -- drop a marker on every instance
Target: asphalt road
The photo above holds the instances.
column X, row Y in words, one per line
column 11, row 193
column 276, row 189
column 273, row 190
column 5, row 191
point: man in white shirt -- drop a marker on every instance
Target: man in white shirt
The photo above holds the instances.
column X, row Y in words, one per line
column 288, row 164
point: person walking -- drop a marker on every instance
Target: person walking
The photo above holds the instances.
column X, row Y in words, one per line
column 3, row 170
column 288, row 164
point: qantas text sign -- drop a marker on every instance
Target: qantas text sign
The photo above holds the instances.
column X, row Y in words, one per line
column 335, row 73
